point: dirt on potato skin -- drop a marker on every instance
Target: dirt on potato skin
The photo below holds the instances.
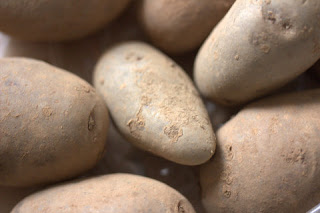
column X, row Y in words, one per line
column 258, row 47
column 154, row 104
column 267, row 157
column 53, row 125
column 108, row 193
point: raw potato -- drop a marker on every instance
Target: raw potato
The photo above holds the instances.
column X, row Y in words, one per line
column 259, row 46
column 56, row 20
column 78, row 57
column 53, row 125
column 107, row 194
column 267, row 158
column 177, row 26
column 154, row 103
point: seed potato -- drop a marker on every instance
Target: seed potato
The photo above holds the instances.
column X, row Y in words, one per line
column 259, row 46
column 267, row 158
column 154, row 104
column 56, row 20
column 107, row 194
column 181, row 25
column 53, row 125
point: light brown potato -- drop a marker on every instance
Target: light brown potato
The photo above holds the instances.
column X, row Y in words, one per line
column 56, row 20
column 177, row 26
column 53, row 125
column 79, row 57
column 154, row 103
column 258, row 47
column 267, row 158
column 122, row 157
column 107, row 194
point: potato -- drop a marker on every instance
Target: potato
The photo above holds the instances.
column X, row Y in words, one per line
column 154, row 103
column 109, row 193
column 53, row 125
column 79, row 57
column 267, row 158
column 259, row 46
column 56, row 20
column 181, row 25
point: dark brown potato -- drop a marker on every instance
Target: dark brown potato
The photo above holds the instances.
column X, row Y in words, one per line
column 114, row 193
column 56, row 20
column 177, row 26
column 53, row 125
column 267, row 158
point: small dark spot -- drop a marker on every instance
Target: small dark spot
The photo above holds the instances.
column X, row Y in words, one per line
column 180, row 207
column 173, row 65
column 227, row 193
column 91, row 121
column 286, row 25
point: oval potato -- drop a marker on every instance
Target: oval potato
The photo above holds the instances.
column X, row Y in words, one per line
column 109, row 193
column 53, row 125
column 56, row 20
column 258, row 46
column 154, row 103
column 181, row 25
column 267, row 158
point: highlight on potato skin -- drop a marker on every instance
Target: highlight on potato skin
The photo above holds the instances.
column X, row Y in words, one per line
column 154, row 104
column 53, row 125
column 258, row 47
column 57, row 20
column 267, row 157
column 108, row 193
column 181, row 25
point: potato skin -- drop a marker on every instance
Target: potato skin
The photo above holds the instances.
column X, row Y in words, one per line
column 56, row 20
column 53, row 125
column 107, row 194
column 267, row 158
column 257, row 47
column 154, row 103
column 177, row 26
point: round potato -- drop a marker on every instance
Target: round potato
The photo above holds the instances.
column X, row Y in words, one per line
column 259, row 46
column 56, row 20
column 154, row 103
column 267, row 158
column 181, row 25
column 110, row 193
column 53, row 125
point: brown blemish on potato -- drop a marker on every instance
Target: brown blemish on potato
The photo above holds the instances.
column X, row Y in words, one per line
column 173, row 132
column 47, row 111
column 137, row 124
column 91, row 121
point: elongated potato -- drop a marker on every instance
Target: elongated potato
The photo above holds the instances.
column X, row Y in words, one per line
column 110, row 193
column 181, row 25
column 56, row 20
column 259, row 46
column 53, row 125
column 154, row 103
column 267, row 158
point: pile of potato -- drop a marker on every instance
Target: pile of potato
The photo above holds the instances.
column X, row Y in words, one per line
column 159, row 106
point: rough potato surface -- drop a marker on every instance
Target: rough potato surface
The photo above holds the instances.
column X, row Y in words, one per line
column 267, row 158
column 107, row 194
column 260, row 45
column 53, row 125
column 154, row 103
